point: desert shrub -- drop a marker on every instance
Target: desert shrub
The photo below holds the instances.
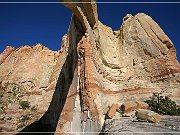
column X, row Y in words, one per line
column 24, row 118
column 33, row 108
column 24, row 104
column 163, row 105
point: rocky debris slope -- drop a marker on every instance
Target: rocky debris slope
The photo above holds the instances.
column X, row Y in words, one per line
column 94, row 73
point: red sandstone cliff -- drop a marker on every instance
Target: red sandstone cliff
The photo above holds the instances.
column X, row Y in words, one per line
column 95, row 68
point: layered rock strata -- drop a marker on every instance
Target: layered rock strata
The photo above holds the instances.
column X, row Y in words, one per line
column 96, row 67
column 26, row 85
column 124, row 65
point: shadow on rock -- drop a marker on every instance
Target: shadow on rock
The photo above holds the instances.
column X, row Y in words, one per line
column 48, row 122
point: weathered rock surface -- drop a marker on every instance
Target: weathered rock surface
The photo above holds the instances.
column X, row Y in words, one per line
column 142, row 105
column 128, row 107
column 25, row 75
column 148, row 115
column 168, row 125
column 68, row 90
column 83, row 11
column 132, row 106
column 17, row 67
column 6, row 53
column 112, row 111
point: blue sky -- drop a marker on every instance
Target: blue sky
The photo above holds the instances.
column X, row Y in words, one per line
column 28, row 24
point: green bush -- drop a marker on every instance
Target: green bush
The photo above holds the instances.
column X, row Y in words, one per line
column 24, row 104
column 163, row 105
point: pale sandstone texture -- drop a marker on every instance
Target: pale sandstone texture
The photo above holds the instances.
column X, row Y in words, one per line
column 112, row 110
column 132, row 106
column 70, row 90
column 25, row 75
column 147, row 115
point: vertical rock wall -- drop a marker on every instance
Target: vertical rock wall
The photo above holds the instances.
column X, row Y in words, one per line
column 95, row 68
column 124, row 65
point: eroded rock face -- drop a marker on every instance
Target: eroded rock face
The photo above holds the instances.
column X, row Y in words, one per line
column 18, row 66
column 83, row 10
column 125, row 65
column 139, row 50
column 6, row 53
column 26, row 85
column 69, row 90
column 148, row 47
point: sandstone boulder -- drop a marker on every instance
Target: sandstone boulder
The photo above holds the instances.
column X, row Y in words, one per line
column 148, row 115
column 112, row 111
column 129, row 114
column 128, row 107
column 142, row 105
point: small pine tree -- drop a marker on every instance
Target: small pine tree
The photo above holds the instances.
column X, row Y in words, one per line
column 163, row 105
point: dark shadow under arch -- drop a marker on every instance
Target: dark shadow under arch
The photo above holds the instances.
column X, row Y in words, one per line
column 48, row 122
